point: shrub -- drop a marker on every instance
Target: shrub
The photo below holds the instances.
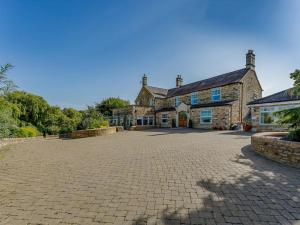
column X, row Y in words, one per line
column 29, row 131
column 294, row 135
column 104, row 124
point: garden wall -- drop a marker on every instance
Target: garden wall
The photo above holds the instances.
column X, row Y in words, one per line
column 270, row 145
column 8, row 141
column 92, row 132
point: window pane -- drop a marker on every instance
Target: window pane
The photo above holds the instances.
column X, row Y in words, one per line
column 139, row 122
column 145, row 120
column 150, row 120
column 267, row 118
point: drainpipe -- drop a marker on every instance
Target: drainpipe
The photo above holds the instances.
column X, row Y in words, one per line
column 241, row 106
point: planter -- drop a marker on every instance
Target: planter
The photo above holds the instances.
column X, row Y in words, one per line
column 272, row 146
column 247, row 127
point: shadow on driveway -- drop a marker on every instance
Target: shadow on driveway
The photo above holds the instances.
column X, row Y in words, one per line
column 267, row 194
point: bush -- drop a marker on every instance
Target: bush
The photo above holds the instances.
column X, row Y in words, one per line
column 27, row 132
column 294, row 135
column 104, row 124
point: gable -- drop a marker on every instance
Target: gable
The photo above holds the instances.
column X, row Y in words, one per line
column 143, row 94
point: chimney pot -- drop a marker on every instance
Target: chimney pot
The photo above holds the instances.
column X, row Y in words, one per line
column 179, row 81
column 250, row 60
column 145, row 80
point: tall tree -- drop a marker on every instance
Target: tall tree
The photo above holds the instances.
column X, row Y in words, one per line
column 106, row 106
column 6, row 85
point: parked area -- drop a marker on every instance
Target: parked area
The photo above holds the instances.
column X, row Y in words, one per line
column 161, row 176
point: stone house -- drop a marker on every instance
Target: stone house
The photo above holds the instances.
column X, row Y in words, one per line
column 218, row 102
column 262, row 110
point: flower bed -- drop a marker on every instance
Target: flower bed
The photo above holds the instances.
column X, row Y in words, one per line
column 272, row 146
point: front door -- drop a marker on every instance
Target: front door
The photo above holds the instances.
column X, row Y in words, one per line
column 182, row 119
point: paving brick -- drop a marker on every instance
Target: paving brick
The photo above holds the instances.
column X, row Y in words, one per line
column 154, row 177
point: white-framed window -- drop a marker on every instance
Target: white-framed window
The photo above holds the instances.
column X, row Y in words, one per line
column 266, row 114
column 177, row 100
column 151, row 120
column 206, row 116
column 164, row 118
column 139, row 121
column 194, row 98
column 151, row 102
column 145, row 120
column 216, row 94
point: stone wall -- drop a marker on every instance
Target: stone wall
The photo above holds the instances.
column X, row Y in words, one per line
column 171, row 116
column 271, row 146
column 228, row 92
column 91, row 132
column 8, row 141
column 221, row 117
column 251, row 91
column 144, row 98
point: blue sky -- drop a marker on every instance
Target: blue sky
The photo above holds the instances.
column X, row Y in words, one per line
column 75, row 53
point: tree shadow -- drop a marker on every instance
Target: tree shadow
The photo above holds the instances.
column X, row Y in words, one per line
column 266, row 193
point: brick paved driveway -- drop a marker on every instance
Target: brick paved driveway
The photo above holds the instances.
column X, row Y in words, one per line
column 151, row 177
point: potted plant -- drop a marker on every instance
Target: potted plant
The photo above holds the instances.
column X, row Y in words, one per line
column 173, row 123
column 247, row 125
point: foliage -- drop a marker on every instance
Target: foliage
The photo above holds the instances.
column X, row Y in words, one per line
column 296, row 77
column 33, row 108
column 7, row 122
column 294, row 135
column 107, row 105
column 91, row 119
column 105, row 124
column 291, row 116
column 29, row 131
column 6, row 85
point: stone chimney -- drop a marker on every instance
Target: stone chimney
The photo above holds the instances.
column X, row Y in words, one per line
column 179, row 81
column 250, row 60
column 145, row 80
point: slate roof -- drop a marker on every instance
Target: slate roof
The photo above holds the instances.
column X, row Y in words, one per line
column 217, row 81
column 282, row 96
column 158, row 92
column 213, row 104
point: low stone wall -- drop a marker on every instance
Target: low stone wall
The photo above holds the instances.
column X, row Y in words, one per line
column 270, row 145
column 137, row 128
column 91, row 132
column 9, row 141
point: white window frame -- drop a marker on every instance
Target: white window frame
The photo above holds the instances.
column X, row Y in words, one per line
column 177, row 101
column 164, row 116
column 202, row 117
column 214, row 95
column 152, row 120
column 194, row 98
column 139, row 118
column 151, row 102
column 272, row 110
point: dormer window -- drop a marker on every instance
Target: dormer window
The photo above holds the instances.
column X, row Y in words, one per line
column 216, row 94
column 194, row 98
column 177, row 100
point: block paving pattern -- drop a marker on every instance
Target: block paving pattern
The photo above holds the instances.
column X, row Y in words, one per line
column 162, row 176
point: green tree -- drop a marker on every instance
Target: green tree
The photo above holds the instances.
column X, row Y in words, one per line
column 91, row 118
column 33, row 108
column 291, row 117
column 6, row 85
column 8, row 123
column 106, row 106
